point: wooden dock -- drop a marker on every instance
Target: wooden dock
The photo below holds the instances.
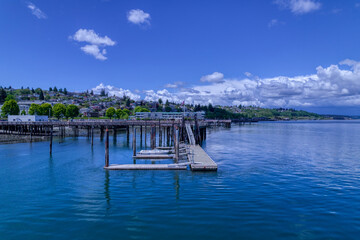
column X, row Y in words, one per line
column 146, row 167
column 200, row 160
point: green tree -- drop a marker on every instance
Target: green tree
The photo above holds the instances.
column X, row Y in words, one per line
column 59, row 110
column 3, row 95
column 10, row 97
column 110, row 112
column 41, row 95
column 160, row 101
column 55, row 89
column 50, row 89
column 34, row 109
column 128, row 102
column 65, row 91
column 23, row 112
column 46, row 109
column 72, row 111
column 141, row 109
column 167, row 109
column 10, row 108
column 119, row 113
column 125, row 116
column 127, row 111
column 102, row 92
column 38, row 91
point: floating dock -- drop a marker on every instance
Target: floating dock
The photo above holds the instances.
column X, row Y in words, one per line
column 200, row 160
column 146, row 167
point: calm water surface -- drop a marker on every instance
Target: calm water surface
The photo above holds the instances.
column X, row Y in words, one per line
column 276, row 180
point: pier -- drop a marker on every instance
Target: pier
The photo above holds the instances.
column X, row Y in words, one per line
column 176, row 141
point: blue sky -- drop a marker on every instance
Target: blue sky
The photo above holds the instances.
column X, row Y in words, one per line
column 282, row 53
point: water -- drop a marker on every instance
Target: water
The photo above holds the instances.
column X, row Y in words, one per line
column 276, row 180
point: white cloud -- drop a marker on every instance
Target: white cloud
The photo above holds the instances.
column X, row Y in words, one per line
column 95, row 43
column 89, row 36
column 138, row 16
column 328, row 86
column 248, row 74
column 335, row 85
column 119, row 92
column 36, row 11
column 299, row 6
column 174, row 85
column 273, row 23
column 95, row 51
column 214, row 77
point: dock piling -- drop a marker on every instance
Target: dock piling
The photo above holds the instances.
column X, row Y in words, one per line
column 134, row 141
column 107, row 148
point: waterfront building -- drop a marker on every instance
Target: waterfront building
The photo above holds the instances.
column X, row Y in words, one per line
column 27, row 118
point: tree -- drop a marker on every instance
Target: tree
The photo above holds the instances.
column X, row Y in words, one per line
column 46, row 109
column 55, row 89
column 3, row 95
column 160, row 101
column 32, row 90
column 60, row 90
column 168, row 109
column 128, row 102
column 125, row 116
column 41, row 95
column 50, row 89
column 141, row 109
column 38, row 91
column 92, row 93
column 72, row 111
column 34, row 109
column 10, row 97
column 167, row 103
column 65, row 91
column 59, row 110
column 102, row 92
column 119, row 113
column 127, row 111
column 10, row 108
column 110, row 112
column 23, row 112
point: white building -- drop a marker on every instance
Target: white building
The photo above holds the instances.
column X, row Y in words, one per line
column 168, row 115
column 27, row 118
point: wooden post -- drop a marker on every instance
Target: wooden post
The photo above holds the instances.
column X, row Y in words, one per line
column 145, row 128
column 160, row 135
column 114, row 136
column 92, row 136
column 177, row 140
column 153, row 137
column 107, row 148
column 31, row 133
column 51, row 140
column 141, row 135
column 134, row 141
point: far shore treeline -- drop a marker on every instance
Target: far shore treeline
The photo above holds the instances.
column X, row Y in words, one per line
column 59, row 104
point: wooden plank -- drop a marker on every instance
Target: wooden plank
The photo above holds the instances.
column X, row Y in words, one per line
column 200, row 160
column 190, row 134
column 153, row 156
column 146, row 167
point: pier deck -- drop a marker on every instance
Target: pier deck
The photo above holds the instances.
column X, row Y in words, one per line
column 201, row 160
column 146, row 167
